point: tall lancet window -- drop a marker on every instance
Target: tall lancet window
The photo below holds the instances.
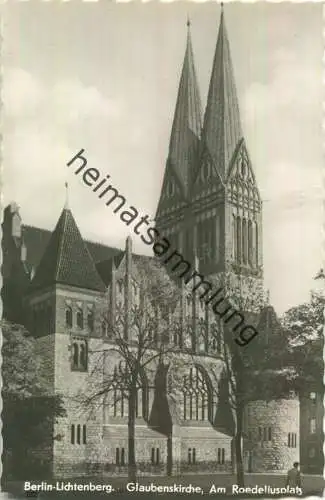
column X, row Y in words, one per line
column 196, row 396
column 234, row 238
column 244, row 241
column 217, row 240
column 250, row 243
column 239, row 239
column 256, row 244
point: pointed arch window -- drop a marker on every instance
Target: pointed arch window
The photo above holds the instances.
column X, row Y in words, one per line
column 79, row 355
column 170, row 188
column 239, row 239
column 135, row 293
column 78, row 434
column 250, row 243
column 90, row 320
column 244, row 241
column 202, row 306
column 256, row 244
column 196, row 396
column 75, row 354
column 120, row 391
column 72, row 434
column 80, row 318
column 120, row 287
column 216, row 338
column 206, row 171
column 177, row 336
column 243, row 168
column 203, row 338
column 83, row 356
column 68, row 316
column 234, row 238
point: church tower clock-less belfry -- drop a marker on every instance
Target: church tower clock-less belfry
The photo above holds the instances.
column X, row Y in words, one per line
column 210, row 204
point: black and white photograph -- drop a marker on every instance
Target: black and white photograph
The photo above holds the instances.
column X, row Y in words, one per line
column 163, row 268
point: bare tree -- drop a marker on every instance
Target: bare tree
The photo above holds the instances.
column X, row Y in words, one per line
column 139, row 340
column 248, row 301
column 259, row 369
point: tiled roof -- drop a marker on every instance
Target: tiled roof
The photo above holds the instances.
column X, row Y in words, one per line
column 66, row 258
column 187, row 124
column 222, row 129
column 36, row 240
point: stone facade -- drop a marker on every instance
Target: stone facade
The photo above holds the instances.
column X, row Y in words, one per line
column 311, row 431
column 93, row 441
column 273, row 435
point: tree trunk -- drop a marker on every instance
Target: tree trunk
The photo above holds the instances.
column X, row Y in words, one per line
column 132, row 469
column 239, row 446
column 169, row 455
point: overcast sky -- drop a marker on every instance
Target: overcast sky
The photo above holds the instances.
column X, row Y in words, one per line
column 104, row 77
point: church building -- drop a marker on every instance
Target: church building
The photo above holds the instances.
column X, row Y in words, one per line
column 210, row 209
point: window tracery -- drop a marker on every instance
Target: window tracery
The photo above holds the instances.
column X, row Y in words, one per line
column 196, row 396
column 120, row 393
column 79, row 355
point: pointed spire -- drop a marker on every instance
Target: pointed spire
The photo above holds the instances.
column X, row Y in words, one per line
column 222, row 129
column 187, row 123
column 66, row 259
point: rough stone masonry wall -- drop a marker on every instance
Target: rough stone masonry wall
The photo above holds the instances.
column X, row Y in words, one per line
column 76, row 459
column 283, row 418
column 206, row 452
column 145, row 440
column 45, row 347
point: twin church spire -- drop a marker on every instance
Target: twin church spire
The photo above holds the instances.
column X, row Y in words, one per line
column 210, row 205
column 220, row 133
column 187, row 125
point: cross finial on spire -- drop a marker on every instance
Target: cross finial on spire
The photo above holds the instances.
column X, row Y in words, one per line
column 66, row 205
column 188, row 22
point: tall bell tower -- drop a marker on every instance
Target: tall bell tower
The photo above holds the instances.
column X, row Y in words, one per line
column 210, row 204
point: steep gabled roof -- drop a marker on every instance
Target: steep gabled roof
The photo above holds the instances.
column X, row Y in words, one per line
column 36, row 240
column 66, row 259
column 222, row 129
column 187, row 123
